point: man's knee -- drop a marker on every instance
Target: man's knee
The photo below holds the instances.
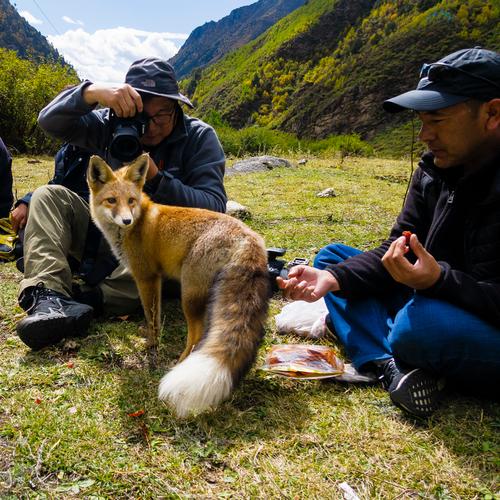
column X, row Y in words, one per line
column 426, row 328
column 50, row 194
column 333, row 254
column 415, row 325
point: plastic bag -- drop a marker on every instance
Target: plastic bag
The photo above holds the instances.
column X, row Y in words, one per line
column 8, row 239
column 299, row 317
column 303, row 361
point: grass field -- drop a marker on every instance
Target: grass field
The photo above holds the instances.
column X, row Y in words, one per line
column 65, row 424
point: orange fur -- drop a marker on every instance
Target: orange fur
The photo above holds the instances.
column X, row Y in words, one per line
column 220, row 263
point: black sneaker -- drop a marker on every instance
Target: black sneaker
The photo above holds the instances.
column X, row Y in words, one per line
column 413, row 390
column 52, row 316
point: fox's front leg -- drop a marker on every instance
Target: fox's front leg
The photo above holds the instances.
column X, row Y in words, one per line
column 150, row 293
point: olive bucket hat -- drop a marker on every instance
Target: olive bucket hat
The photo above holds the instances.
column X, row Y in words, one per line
column 157, row 77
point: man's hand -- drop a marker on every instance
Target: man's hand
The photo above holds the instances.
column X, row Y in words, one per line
column 307, row 283
column 19, row 217
column 421, row 275
column 123, row 99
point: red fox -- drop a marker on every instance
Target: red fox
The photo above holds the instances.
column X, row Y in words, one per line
column 220, row 263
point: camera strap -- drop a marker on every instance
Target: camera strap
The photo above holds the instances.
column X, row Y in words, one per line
column 95, row 268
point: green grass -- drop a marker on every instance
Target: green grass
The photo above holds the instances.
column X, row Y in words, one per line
column 275, row 437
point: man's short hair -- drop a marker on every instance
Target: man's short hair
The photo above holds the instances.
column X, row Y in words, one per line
column 458, row 77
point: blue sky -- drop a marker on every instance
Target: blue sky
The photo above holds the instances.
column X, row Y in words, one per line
column 102, row 37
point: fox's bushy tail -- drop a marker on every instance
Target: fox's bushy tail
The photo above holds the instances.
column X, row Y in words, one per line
column 236, row 315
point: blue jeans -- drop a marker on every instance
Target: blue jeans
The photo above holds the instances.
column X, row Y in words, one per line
column 422, row 332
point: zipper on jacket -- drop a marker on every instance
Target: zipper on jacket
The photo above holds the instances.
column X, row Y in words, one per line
column 435, row 228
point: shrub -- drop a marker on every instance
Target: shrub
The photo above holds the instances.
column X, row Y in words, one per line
column 25, row 88
column 259, row 140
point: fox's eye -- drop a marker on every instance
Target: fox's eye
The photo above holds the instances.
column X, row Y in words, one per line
column 111, row 200
column 131, row 201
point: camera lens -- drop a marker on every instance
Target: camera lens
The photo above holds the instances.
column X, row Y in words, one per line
column 125, row 144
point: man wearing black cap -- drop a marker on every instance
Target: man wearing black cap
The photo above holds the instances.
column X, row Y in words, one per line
column 186, row 168
column 422, row 309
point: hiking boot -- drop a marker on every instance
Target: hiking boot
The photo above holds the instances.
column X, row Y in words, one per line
column 52, row 316
column 413, row 390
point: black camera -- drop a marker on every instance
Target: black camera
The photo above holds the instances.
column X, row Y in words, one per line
column 279, row 267
column 125, row 142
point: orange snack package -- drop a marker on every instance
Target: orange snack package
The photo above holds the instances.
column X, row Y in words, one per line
column 303, row 361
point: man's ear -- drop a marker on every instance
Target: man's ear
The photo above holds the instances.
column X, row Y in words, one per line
column 493, row 110
column 98, row 173
column 136, row 171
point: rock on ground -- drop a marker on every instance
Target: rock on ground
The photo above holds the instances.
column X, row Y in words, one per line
column 257, row 164
column 327, row 193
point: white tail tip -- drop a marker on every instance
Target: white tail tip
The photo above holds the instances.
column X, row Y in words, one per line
column 196, row 384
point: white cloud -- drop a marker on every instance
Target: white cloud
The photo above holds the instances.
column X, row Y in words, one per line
column 68, row 20
column 30, row 17
column 104, row 56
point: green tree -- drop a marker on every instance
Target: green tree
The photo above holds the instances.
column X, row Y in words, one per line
column 25, row 88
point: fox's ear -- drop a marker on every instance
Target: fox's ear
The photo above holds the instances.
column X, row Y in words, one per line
column 136, row 171
column 98, row 173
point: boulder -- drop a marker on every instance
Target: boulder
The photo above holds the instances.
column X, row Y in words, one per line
column 257, row 164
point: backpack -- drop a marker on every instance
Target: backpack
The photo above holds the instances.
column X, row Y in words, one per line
column 9, row 248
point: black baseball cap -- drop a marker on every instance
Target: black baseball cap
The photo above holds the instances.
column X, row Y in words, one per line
column 156, row 77
column 458, row 77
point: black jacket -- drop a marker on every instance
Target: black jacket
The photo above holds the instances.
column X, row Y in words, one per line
column 457, row 217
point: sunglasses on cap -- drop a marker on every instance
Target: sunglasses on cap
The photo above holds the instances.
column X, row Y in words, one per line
column 436, row 72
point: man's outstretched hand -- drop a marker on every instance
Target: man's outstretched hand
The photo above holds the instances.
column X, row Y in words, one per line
column 421, row 275
column 307, row 283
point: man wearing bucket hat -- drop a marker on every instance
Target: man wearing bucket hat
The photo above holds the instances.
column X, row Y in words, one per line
column 186, row 168
column 423, row 309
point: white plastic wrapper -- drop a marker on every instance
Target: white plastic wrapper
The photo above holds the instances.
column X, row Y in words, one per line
column 299, row 317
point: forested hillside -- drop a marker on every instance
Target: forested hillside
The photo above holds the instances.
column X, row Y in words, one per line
column 208, row 43
column 18, row 35
column 31, row 73
column 325, row 68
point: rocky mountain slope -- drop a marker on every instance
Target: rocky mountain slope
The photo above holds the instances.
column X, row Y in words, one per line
column 17, row 34
column 208, row 43
column 326, row 68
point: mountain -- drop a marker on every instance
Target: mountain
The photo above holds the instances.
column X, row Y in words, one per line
column 208, row 43
column 17, row 34
column 326, row 67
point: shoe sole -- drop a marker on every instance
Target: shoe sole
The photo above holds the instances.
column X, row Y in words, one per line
column 417, row 393
column 44, row 332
